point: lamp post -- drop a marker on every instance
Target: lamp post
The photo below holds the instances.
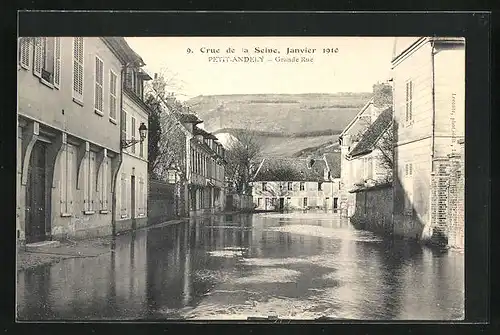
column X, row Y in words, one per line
column 143, row 130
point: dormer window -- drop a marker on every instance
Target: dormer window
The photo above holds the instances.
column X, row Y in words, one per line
column 134, row 82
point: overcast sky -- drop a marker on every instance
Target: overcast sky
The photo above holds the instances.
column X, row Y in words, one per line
column 359, row 63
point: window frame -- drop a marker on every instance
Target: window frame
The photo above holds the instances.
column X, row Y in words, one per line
column 99, row 112
column 409, row 89
column 115, row 96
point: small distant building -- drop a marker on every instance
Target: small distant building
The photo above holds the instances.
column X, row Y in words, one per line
column 297, row 183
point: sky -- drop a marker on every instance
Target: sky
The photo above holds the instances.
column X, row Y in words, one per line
column 358, row 63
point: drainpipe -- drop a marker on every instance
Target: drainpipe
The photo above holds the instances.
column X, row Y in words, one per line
column 433, row 106
column 120, row 155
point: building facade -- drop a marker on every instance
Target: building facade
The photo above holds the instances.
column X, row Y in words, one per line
column 429, row 119
column 207, row 172
column 297, row 184
column 131, row 180
column 68, row 142
column 354, row 172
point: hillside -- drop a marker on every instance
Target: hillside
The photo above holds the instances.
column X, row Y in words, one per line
column 284, row 114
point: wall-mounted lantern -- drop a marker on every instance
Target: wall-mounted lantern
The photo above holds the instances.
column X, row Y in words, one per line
column 143, row 130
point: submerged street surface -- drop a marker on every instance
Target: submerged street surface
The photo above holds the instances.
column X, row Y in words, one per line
column 297, row 265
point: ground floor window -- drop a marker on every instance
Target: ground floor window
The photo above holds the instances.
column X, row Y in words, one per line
column 305, row 202
column 335, row 202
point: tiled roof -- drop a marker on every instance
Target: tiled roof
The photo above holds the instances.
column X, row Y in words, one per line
column 333, row 160
column 120, row 46
column 373, row 134
column 290, row 169
column 189, row 118
column 199, row 131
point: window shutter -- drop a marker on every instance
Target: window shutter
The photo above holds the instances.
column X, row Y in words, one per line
column 123, row 189
column 129, row 77
column 38, row 57
column 132, row 131
column 71, row 171
column 410, row 102
column 63, row 182
column 112, row 95
column 99, row 92
column 57, row 62
column 78, row 68
column 24, row 52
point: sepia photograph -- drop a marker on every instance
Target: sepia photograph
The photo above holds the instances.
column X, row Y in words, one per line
column 240, row 178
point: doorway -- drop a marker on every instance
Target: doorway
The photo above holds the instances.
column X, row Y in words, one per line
column 36, row 191
column 335, row 203
column 282, row 204
column 132, row 201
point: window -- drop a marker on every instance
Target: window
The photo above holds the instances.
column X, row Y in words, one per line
column 408, row 102
column 24, row 52
column 99, row 82
column 112, row 94
column 259, row 202
column 368, row 168
column 132, row 131
column 140, row 199
column 123, row 190
column 290, row 185
column 305, row 202
column 335, row 202
column 264, row 186
column 320, row 186
column 68, row 169
column 124, row 120
column 47, row 60
column 408, row 188
column 301, row 186
column 78, row 69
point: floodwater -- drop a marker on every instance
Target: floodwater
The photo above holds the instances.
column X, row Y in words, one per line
column 297, row 265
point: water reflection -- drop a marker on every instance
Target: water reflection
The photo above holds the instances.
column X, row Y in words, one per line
column 293, row 265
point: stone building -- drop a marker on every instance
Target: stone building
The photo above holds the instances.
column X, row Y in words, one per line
column 429, row 120
column 206, row 188
column 68, row 144
column 297, row 183
column 131, row 185
column 354, row 172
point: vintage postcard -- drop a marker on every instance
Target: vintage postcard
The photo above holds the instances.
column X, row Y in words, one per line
column 240, row 178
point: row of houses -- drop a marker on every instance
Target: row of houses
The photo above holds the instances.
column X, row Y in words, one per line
column 82, row 141
column 403, row 155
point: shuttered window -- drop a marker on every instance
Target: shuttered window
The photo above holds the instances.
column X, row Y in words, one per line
column 112, row 95
column 38, row 54
column 63, row 185
column 123, row 190
column 57, row 62
column 125, row 125
column 78, row 68
column 409, row 100
column 99, row 83
column 24, row 52
column 104, row 184
column 141, row 196
column 408, row 187
column 132, row 132
column 91, row 175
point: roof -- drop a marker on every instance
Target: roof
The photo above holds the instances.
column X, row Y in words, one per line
column 290, row 169
column 371, row 136
column 120, row 47
column 199, row 131
column 333, row 160
column 189, row 118
column 357, row 117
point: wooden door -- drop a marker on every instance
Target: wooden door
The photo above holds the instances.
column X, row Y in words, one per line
column 36, row 195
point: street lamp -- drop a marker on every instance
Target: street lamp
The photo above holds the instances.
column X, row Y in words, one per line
column 143, row 130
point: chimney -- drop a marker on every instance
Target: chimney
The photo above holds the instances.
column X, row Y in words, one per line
column 382, row 95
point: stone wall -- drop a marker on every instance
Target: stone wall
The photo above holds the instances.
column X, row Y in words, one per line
column 161, row 204
column 373, row 209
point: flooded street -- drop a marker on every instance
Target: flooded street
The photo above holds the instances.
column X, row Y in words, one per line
column 231, row 267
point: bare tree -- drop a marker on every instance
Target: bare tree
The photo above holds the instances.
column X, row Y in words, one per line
column 242, row 156
column 386, row 146
column 167, row 136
